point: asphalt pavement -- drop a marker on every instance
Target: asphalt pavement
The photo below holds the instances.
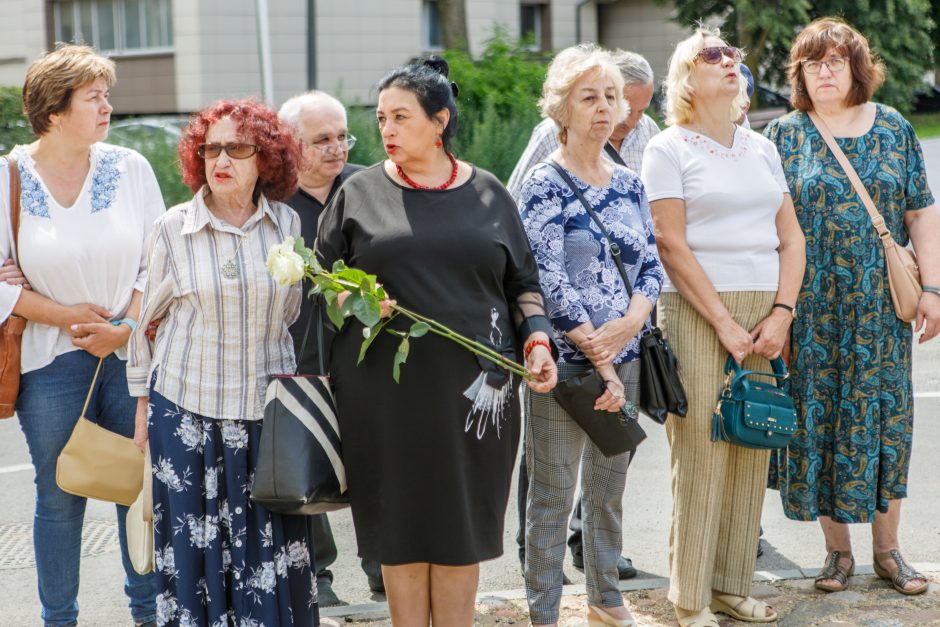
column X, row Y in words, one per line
column 790, row 546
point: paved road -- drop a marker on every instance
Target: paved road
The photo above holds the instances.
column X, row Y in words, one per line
column 647, row 505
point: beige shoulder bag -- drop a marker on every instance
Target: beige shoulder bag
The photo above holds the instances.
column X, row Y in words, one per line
column 903, row 275
column 99, row 464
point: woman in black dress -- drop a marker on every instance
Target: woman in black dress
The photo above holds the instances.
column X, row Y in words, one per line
column 429, row 459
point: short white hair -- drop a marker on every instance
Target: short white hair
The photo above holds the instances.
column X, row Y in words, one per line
column 678, row 85
column 292, row 110
column 566, row 69
column 633, row 67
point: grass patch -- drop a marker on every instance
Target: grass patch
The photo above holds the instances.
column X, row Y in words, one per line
column 926, row 125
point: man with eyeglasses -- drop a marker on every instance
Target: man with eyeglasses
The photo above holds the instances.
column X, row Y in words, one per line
column 320, row 120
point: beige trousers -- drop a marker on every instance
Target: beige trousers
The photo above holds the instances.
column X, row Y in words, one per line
column 717, row 488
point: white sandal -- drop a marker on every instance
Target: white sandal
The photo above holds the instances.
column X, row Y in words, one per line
column 747, row 609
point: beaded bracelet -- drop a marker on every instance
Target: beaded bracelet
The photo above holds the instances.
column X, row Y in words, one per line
column 532, row 344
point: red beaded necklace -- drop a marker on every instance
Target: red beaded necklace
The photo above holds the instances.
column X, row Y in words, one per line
column 445, row 185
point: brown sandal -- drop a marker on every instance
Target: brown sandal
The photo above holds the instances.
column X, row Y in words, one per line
column 832, row 570
column 900, row 577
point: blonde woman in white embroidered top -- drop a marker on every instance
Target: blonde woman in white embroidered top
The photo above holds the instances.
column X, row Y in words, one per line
column 708, row 178
column 223, row 333
column 86, row 209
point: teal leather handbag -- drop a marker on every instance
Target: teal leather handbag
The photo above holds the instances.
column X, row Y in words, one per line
column 754, row 414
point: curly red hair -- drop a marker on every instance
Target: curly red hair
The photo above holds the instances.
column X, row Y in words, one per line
column 278, row 146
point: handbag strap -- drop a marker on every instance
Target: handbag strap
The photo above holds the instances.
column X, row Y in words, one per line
column 14, row 205
column 147, row 501
column 614, row 247
column 614, row 155
column 876, row 218
column 734, row 371
column 318, row 313
column 92, row 387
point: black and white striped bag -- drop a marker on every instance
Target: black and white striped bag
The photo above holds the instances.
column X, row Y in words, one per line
column 300, row 461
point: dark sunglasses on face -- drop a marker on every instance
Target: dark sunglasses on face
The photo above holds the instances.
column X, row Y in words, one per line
column 714, row 54
column 235, row 151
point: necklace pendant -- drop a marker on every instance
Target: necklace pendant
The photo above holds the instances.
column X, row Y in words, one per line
column 230, row 270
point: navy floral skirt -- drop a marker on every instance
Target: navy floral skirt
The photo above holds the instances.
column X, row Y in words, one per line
column 221, row 559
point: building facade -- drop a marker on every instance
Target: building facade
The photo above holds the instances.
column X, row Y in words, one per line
column 179, row 55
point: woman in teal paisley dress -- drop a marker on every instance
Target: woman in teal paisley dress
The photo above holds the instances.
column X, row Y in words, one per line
column 851, row 355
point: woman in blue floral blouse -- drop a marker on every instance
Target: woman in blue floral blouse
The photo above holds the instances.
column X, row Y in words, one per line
column 851, row 370
column 596, row 322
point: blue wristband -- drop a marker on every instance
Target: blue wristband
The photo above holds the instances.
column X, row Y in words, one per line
column 128, row 321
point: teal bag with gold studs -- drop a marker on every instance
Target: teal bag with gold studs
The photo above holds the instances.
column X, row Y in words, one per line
column 752, row 413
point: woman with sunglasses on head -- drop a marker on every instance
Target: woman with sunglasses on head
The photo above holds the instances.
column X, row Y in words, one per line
column 220, row 558
column 734, row 254
column 851, row 369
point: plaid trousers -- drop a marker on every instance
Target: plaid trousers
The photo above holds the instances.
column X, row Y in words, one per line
column 554, row 446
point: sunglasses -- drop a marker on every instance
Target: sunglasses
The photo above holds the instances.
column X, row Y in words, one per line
column 237, row 150
column 714, row 54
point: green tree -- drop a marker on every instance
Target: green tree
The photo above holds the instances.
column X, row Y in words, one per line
column 14, row 127
column 899, row 31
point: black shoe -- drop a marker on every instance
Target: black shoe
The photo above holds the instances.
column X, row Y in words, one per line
column 376, row 584
column 577, row 560
column 625, row 569
column 760, row 547
column 325, row 595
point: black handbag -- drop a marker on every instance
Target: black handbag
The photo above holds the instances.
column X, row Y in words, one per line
column 661, row 389
column 613, row 432
column 754, row 414
column 300, row 461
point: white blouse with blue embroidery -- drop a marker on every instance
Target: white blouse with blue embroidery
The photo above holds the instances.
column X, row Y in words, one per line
column 92, row 252
column 579, row 277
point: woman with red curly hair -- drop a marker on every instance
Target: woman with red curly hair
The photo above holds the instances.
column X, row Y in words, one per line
column 220, row 557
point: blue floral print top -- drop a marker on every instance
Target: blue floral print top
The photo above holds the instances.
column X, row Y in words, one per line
column 577, row 272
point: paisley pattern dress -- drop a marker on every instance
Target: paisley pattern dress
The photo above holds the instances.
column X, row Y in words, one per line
column 851, row 366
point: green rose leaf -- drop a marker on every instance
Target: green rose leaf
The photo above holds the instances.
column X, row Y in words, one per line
column 418, row 329
column 366, row 309
column 400, row 357
column 332, row 310
column 374, row 333
column 338, row 266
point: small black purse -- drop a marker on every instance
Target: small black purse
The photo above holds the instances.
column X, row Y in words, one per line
column 613, row 432
column 661, row 389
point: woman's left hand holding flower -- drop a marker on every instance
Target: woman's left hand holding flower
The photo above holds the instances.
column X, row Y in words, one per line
column 928, row 317
column 541, row 366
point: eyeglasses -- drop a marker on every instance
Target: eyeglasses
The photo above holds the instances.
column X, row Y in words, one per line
column 342, row 145
column 714, row 54
column 237, row 150
column 835, row 65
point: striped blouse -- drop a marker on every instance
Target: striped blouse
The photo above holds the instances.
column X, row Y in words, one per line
column 225, row 321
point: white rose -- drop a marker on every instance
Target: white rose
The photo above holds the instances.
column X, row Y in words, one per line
column 285, row 265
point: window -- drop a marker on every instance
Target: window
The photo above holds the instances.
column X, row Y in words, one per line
column 116, row 26
column 534, row 24
column 431, row 25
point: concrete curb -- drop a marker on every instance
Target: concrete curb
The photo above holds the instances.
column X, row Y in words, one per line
column 379, row 610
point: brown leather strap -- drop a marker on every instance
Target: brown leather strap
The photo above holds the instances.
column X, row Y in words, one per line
column 876, row 219
column 14, row 205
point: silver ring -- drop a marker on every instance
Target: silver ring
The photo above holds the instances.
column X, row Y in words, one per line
column 741, row 354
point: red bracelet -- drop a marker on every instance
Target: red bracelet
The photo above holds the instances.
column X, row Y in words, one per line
column 532, row 344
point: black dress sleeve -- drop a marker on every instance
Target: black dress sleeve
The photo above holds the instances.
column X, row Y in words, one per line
column 332, row 241
column 521, row 282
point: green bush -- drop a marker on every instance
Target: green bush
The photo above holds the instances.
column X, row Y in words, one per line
column 159, row 148
column 496, row 105
column 14, row 127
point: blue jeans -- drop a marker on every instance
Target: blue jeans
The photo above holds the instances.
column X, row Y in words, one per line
column 49, row 405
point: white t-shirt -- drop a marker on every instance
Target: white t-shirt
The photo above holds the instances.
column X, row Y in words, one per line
column 92, row 252
column 731, row 197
